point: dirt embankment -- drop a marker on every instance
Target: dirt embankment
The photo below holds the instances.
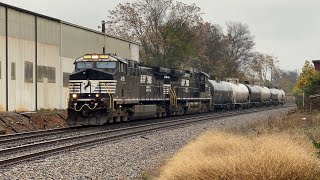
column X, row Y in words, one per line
column 11, row 122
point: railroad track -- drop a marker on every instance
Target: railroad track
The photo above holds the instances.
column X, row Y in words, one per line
column 15, row 154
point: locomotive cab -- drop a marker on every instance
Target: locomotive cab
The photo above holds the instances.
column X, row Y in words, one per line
column 92, row 85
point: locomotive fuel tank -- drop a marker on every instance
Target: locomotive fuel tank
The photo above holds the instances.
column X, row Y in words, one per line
column 145, row 111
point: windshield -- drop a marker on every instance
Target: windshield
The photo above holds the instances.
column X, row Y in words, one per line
column 84, row 65
column 106, row 65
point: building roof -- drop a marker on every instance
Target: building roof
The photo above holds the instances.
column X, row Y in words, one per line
column 314, row 96
column 316, row 64
column 64, row 22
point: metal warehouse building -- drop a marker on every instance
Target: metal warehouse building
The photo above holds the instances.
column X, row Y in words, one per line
column 37, row 54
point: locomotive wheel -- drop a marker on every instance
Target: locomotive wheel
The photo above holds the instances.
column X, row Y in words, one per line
column 117, row 119
column 110, row 120
column 228, row 107
column 125, row 117
column 181, row 112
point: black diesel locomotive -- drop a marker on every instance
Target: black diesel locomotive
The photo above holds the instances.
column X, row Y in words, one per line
column 105, row 88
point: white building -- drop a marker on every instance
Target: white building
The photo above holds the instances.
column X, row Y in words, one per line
column 37, row 54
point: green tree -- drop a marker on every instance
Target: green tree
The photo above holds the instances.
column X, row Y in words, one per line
column 304, row 80
column 313, row 87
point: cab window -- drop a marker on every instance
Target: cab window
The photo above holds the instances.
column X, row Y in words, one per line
column 84, row 65
column 106, row 65
column 122, row 67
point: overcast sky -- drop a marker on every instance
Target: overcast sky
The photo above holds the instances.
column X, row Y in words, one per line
column 287, row 29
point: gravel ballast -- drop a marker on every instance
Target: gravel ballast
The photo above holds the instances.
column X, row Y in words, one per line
column 127, row 158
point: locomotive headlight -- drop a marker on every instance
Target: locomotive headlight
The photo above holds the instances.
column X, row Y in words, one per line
column 95, row 57
column 74, row 96
column 97, row 95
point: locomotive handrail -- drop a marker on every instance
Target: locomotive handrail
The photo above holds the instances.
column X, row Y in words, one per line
column 111, row 102
column 176, row 98
column 173, row 98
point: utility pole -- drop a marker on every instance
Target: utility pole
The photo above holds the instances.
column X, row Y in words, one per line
column 271, row 72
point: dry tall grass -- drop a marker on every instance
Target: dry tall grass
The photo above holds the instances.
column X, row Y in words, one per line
column 227, row 156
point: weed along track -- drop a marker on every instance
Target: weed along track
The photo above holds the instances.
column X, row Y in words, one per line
column 74, row 138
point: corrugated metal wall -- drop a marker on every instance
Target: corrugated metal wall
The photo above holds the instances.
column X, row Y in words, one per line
column 21, row 51
column 2, row 59
column 77, row 41
column 49, row 69
column 41, row 52
column 134, row 52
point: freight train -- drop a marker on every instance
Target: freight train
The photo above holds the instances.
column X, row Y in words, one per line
column 105, row 88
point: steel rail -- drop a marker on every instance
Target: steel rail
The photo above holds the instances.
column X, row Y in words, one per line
column 34, row 134
column 15, row 138
column 160, row 126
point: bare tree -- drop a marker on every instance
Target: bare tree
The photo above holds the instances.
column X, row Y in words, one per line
column 240, row 43
column 210, row 49
column 262, row 66
column 149, row 22
column 286, row 80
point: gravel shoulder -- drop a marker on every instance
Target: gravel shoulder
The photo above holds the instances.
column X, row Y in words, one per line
column 127, row 158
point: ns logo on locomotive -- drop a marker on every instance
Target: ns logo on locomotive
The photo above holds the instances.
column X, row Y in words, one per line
column 106, row 88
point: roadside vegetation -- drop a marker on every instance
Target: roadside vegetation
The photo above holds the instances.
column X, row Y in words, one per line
column 307, row 84
column 280, row 148
column 286, row 147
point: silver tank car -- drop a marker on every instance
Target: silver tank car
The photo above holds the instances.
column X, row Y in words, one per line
column 221, row 93
column 255, row 93
column 275, row 96
column 282, row 97
column 266, row 95
column 240, row 93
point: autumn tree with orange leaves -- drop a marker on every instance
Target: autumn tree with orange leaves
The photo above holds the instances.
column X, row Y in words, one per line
column 308, row 72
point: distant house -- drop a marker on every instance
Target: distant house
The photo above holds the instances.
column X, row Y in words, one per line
column 316, row 64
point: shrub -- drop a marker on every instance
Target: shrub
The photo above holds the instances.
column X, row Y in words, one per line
column 227, row 156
